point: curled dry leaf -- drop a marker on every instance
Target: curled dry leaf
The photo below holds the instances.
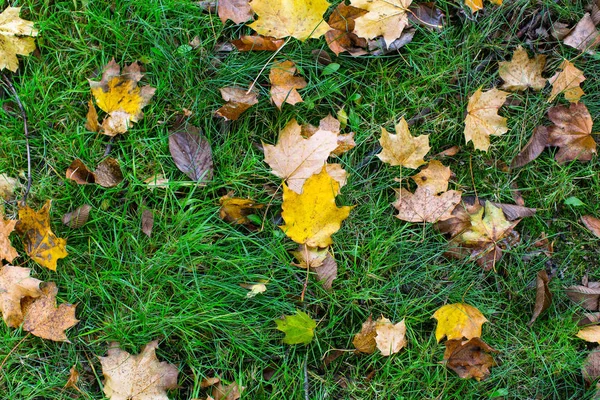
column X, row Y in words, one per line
column 403, row 148
column 43, row 319
column 284, row 83
column 390, row 338
column 238, row 100
column 585, row 36
column 73, row 379
column 590, row 334
column 567, row 81
column 236, row 10
column 108, row 173
column 17, row 38
column 424, row 205
column 572, row 133
column 191, row 153
column 426, row 15
column 587, row 295
column 592, row 223
column 469, row 359
column 434, row 176
column 482, row 119
column 235, row 210
column 298, row 329
column 7, row 187
column 513, row 212
column 7, row 251
column 91, row 118
column 378, row 47
column 364, row 341
column 139, row 377
column 543, row 296
column 386, row 18
column 78, row 217
column 16, row 285
column 257, row 43
column 147, row 222
column 458, row 321
column 537, row 143
column 522, row 72
column 79, row 173
column 41, row 244
column 255, row 289
column 340, row 37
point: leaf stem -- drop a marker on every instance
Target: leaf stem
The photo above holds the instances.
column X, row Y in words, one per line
column 267, row 63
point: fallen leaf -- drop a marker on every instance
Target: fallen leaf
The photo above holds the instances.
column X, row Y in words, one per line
column 588, row 295
column 584, row 36
column 469, row 359
column 483, row 120
column 345, row 142
column 296, row 159
column 590, row 334
column 572, row 133
column 426, row 15
column 15, row 285
column 236, row 10
column 390, row 338
column 238, row 100
column 403, row 148
column 7, row 251
column 14, row 33
column 79, row 173
column 449, row 152
column 320, row 261
column 523, row 72
column 326, row 272
column 340, row 37
column 298, row 329
column 73, row 379
column 157, row 181
column 229, row 392
column 255, row 289
column 567, row 81
column 235, row 210
column 78, row 217
column 434, row 176
column 108, row 173
column 91, row 119
column 591, row 367
column 486, row 229
column 458, row 321
column 386, row 18
column 543, row 296
column 537, row 143
column 118, row 95
column 474, row 5
column 139, row 377
column 364, row 341
column 378, row 47
column 592, row 223
column 43, row 319
column 257, row 43
column 513, row 212
column 284, row 83
column 461, row 217
column 424, row 205
column 191, row 153
column 207, row 382
column 40, row 243
column 312, row 217
column 7, row 186
column 147, row 222
column 302, row 19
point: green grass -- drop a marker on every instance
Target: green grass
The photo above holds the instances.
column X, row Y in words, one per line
column 182, row 285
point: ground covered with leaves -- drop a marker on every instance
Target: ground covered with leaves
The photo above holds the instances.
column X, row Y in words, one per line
column 399, row 277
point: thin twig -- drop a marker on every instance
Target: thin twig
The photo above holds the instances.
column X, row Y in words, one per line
column 306, row 387
column 9, row 84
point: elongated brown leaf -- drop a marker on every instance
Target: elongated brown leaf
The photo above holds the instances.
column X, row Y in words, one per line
column 587, row 295
column 533, row 148
column 79, row 173
column 257, row 43
column 592, row 223
column 147, row 222
column 191, row 153
column 543, row 296
column 78, row 217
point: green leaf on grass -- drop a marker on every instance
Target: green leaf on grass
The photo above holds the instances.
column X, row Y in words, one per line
column 574, row 201
column 331, row 68
column 298, row 329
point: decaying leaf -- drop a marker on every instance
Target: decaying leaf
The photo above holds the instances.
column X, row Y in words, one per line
column 543, row 296
column 139, row 377
column 254, row 289
column 424, row 205
column 16, row 38
column 592, row 223
column 312, row 217
column 108, row 173
column 73, row 379
column 522, row 72
column 41, row 244
column 403, row 148
column 284, row 83
column 426, row 15
column 340, row 37
column 7, row 251
column 458, row 321
column 236, row 10
column 147, row 222
column 469, row 359
column 78, row 217
column 588, row 295
column 43, row 319
column 302, row 19
column 386, row 18
column 537, row 143
column 298, row 329
column 364, row 341
column 191, row 153
column 585, row 36
column 294, row 158
column 567, row 81
column 257, row 43
column 238, row 100
column 482, row 119
column 390, row 338
column 488, row 229
column 229, row 392
column 79, row 173
column 91, row 118
column 572, row 133
column 7, row 186
column 435, row 176
column 590, row 334
column 15, row 285
column 320, row 261
column 235, row 210
column 591, row 368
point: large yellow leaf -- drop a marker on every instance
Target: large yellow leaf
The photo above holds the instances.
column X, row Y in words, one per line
column 13, row 38
column 302, row 19
column 403, row 148
column 312, row 217
column 385, row 18
column 457, row 321
column 482, row 119
column 41, row 244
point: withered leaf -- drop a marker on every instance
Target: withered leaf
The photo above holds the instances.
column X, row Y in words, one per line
column 378, row 47
column 364, row 341
column 17, row 38
column 78, row 217
column 79, row 173
column 340, row 37
column 108, row 173
column 426, row 15
column 522, row 72
column 403, row 148
column 236, row 10
column 390, row 338
column 15, row 285
column 543, row 296
column 482, row 119
column 587, row 295
column 238, row 101
column 513, row 212
column 537, row 143
column 320, row 261
column 73, row 379
column 469, row 359
column 434, row 176
column 329, row 123
column 386, row 18
column 229, row 392
column 571, row 132
column 590, row 334
column 591, row 367
column 147, row 222
column 192, row 153
column 592, row 223
column 585, row 36
column 235, row 210
column 91, row 120
column 7, row 251
column 257, row 43
column 284, row 83
column 7, row 186
column 425, row 206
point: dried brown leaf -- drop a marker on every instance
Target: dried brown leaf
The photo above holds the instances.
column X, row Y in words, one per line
column 543, row 296
column 7, row 251
column 522, row 72
column 284, row 83
column 235, row 210
column 147, row 222
column 434, row 176
column 537, row 143
column 482, row 119
column 238, row 101
column 592, row 223
column 16, row 285
column 364, row 341
column 424, row 206
column 78, row 217
column 403, row 148
column 390, row 338
column 192, row 153
column 340, row 37
column 469, row 359
column 572, row 133
column 236, row 10
column 257, row 43
column 108, row 173
column 585, row 36
column 587, row 295
column 567, row 81
column 79, row 173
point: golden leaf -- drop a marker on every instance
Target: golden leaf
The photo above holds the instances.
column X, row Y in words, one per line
column 284, row 83
column 236, row 210
column 434, row 176
column 487, row 229
column 385, row 18
column 364, row 341
column 403, row 148
column 457, row 321
column 7, row 251
column 522, row 72
column 567, row 81
column 15, row 285
column 483, row 120
column 13, row 38
column 590, row 334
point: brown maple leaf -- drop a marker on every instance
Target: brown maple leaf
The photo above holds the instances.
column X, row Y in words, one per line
column 238, row 100
column 236, row 10
column 482, row 119
column 469, row 359
column 16, row 285
column 522, row 72
column 571, row 132
column 257, row 43
column 7, row 251
column 567, row 81
column 340, row 37
column 424, row 205
column 585, row 36
column 284, row 83
column 403, row 148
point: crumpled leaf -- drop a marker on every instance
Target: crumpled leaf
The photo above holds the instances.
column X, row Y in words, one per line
column 469, row 359
column 571, row 132
column 238, row 101
column 41, row 244
column 426, row 15
column 108, row 173
column 78, row 217
column 522, row 72
column 302, row 19
column 424, row 205
column 340, row 37
column 364, row 341
column 458, row 321
column 567, row 81
column 386, row 18
column 543, row 296
column 585, row 36
column 390, row 338
column 312, row 216
column 298, row 329
column 434, row 176
column 191, row 153
column 43, row 319
column 16, row 285
column 14, row 39
column 482, row 119
column 487, row 229
column 236, row 10
column 403, row 148
column 590, row 334
column 7, row 186
column 118, row 95
column 73, row 379
column 592, row 223
column 587, row 295
column 7, row 251
column 139, row 377
column 294, row 158
column 235, row 210
column 284, row 83
column 257, row 43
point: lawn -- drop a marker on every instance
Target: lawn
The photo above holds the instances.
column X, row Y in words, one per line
column 182, row 285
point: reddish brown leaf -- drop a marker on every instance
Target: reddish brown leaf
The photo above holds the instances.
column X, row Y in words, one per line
column 191, row 153
column 257, row 43
column 571, row 132
column 584, row 36
column 469, row 359
column 591, row 367
column 238, row 100
column 537, row 143
column 592, row 223
column 78, row 217
column 588, row 295
column 543, row 296
column 79, row 173
column 340, row 38
column 108, row 173
column 364, row 341
column 147, row 222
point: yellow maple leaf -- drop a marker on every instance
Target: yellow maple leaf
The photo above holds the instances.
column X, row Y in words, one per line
column 567, row 81
column 523, row 72
column 385, row 18
column 13, row 38
column 41, row 244
column 284, row 83
column 457, row 321
column 403, row 148
column 487, row 229
column 312, row 216
column 302, row 19
column 434, row 176
column 482, row 119
column 476, row 5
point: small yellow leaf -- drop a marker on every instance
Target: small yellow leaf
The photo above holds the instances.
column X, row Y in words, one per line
column 457, row 321
column 403, row 148
column 435, row 177
column 590, row 334
column 13, row 38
